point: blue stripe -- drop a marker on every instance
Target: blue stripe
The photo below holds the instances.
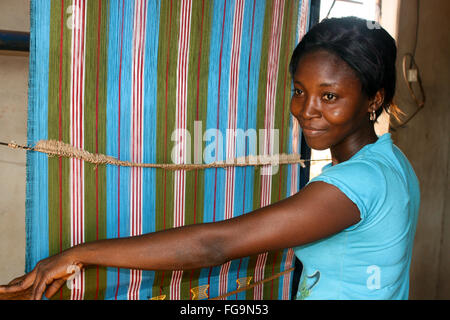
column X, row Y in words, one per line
column 37, row 242
column 111, row 136
column 114, row 50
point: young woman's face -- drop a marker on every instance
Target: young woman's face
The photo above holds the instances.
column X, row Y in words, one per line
column 328, row 101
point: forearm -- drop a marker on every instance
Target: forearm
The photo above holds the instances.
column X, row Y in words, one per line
column 175, row 249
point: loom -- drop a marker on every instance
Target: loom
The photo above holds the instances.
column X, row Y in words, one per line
column 129, row 79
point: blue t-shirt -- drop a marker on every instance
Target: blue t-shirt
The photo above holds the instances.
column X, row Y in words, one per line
column 371, row 259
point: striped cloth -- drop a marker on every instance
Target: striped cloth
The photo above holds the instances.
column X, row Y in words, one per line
column 160, row 82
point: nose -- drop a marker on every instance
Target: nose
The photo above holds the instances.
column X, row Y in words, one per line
column 305, row 108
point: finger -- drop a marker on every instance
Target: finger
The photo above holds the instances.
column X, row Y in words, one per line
column 19, row 284
column 17, row 280
column 54, row 287
column 39, row 287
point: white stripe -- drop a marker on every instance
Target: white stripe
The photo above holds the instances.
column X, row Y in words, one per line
column 78, row 43
column 181, row 146
column 136, row 143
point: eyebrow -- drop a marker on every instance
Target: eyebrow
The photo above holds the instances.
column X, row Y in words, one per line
column 328, row 84
column 325, row 84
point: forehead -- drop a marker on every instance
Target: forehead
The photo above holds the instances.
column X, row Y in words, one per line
column 319, row 67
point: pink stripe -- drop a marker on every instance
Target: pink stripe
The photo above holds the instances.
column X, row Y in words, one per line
column 266, row 180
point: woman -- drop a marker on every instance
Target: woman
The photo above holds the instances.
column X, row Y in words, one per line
column 352, row 227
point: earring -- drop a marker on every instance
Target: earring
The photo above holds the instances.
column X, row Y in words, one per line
column 372, row 116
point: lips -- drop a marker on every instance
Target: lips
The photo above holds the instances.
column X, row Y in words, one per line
column 311, row 131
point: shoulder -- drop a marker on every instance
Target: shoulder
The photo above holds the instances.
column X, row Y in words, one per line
column 362, row 181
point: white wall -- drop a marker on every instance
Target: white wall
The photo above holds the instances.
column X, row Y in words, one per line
column 14, row 15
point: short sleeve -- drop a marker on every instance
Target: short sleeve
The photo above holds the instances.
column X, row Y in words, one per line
column 361, row 181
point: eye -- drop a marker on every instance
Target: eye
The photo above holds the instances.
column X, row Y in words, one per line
column 329, row 97
column 297, row 92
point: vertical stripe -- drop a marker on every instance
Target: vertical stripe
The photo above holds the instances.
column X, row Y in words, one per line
column 180, row 149
column 149, row 134
column 115, row 52
column 266, row 178
column 77, row 137
column 136, row 129
column 231, row 128
column 248, row 105
column 94, row 136
column 167, row 84
column 217, row 119
column 196, row 119
column 37, row 171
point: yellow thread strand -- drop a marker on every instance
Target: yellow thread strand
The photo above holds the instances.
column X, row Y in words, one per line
column 61, row 149
column 248, row 287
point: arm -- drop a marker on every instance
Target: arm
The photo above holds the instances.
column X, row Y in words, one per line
column 317, row 211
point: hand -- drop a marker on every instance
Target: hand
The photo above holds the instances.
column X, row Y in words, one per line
column 48, row 276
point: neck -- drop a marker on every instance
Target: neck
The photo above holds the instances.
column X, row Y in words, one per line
column 352, row 144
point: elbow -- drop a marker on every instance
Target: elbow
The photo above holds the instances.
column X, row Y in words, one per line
column 214, row 254
column 210, row 250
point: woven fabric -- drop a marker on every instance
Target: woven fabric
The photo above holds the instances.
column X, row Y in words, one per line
column 160, row 82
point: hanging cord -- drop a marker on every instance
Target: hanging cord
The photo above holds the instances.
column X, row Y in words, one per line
column 61, row 149
column 420, row 103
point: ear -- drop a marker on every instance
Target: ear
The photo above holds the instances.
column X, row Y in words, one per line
column 377, row 101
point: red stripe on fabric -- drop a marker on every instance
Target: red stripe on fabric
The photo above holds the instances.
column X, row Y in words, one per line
column 73, row 187
column 81, row 163
column 132, row 186
column 60, row 128
column 142, row 50
column 218, row 104
column 165, row 107
column 197, row 102
column 246, row 120
column 118, row 144
column 71, row 138
column 96, row 136
column 284, row 94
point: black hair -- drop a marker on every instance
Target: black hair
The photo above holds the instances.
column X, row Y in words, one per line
column 364, row 45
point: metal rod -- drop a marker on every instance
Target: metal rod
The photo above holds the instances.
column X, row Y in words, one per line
column 14, row 41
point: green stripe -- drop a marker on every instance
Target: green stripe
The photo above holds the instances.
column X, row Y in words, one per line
column 53, row 130
column 95, row 137
column 169, row 28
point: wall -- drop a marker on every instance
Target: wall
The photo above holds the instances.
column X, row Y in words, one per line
column 425, row 140
column 14, row 15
